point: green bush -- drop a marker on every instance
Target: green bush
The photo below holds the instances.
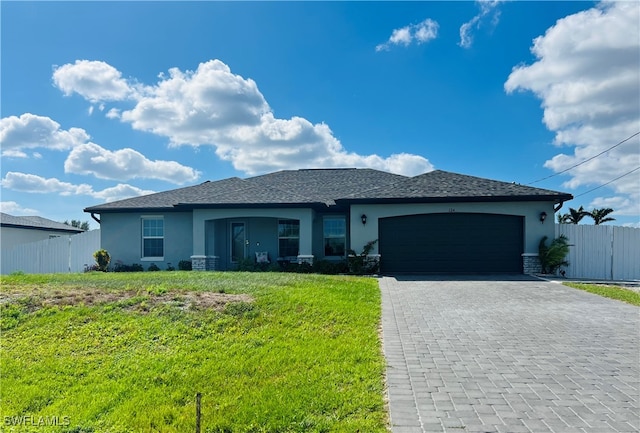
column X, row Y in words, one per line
column 153, row 267
column 121, row 267
column 184, row 265
column 362, row 264
column 553, row 256
column 102, row 259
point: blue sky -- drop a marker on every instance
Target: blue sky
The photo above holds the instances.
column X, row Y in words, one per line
column 106, row 100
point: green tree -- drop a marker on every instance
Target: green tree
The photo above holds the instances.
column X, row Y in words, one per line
column 77, row 224
column 574, row 216
column 600, row 215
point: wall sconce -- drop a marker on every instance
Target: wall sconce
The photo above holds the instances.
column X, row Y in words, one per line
column 363, row 217
column 543, row 216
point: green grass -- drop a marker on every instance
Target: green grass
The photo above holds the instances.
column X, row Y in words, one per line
column 609, row 291
column 128, row 352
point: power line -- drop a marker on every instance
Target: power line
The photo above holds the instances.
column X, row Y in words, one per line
column 605, row 184
column 586, row 160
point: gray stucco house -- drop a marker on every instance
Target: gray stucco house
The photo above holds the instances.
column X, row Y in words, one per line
column 437, row 222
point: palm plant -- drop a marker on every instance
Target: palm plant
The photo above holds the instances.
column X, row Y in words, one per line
column 553, row 256
column 574, row 216
column 600, row 215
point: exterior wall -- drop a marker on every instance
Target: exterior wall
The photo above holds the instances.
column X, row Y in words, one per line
column 534, row 230
column 12, row 236
column 122, row 237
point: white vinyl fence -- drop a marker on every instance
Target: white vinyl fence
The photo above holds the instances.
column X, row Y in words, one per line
column 602, row 252
column 61, row 254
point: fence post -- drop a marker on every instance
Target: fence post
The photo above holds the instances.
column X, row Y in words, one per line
column 198, row 399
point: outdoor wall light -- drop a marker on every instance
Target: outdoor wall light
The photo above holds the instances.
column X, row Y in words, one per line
column 363, row 217
column 543, row 216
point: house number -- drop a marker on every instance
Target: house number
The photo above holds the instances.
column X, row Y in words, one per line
column 451, row 209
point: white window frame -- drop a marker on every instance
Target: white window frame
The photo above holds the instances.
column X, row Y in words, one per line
column 143, row 238
column 343, row 218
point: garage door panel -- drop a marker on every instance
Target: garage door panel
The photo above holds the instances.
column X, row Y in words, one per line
column 451, row 243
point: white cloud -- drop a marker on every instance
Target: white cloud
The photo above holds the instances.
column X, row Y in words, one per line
column 587, row 77
column 418, row 33
column 13, row 208
column 31, row 131
column 212, row 106
column 32, row 183
column 120, row 192
column 93, row 80
column 113, row 113
column 488, row 9
column 125, row 164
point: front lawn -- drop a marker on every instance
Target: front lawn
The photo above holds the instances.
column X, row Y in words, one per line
column 127, row 352
column 609, row 291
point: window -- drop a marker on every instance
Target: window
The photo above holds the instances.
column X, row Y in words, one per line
column 288, row 238
column 152, row 237
column 335, row 236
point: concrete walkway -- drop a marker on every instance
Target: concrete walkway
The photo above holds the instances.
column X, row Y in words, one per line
column 478, row 356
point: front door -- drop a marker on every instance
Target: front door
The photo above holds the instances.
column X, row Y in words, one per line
column 238, row 241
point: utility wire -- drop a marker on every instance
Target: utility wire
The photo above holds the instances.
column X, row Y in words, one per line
column 586, row 160
column 605, row 184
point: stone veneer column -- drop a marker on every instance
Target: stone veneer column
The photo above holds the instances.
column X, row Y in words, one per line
column 305, row 259
column 204, row 263
column 531, row 263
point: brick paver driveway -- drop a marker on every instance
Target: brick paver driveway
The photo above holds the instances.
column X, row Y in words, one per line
column 525, row 355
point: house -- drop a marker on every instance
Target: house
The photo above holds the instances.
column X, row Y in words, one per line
column 437, row 222
column 17, row 230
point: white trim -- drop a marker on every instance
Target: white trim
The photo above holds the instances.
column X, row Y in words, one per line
column 151, row 259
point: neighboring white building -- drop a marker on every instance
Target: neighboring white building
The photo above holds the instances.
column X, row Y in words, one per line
column 18, row 230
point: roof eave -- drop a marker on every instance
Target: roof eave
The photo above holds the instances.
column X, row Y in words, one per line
column 44, row 229
column 473, row 199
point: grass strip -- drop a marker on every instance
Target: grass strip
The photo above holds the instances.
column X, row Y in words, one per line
column 106, row 352
column 609, row 291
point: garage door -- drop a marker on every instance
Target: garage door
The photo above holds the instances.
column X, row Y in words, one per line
column 451, row 243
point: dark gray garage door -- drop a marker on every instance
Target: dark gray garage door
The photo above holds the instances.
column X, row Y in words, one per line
column 451, row 243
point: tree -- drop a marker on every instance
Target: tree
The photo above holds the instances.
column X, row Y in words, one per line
column 574, row 216
column 600, row 215
column 77, row 224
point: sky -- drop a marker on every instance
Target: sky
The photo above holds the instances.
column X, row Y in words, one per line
column 102, row 101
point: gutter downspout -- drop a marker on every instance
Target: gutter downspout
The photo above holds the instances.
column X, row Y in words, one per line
column 95, row 218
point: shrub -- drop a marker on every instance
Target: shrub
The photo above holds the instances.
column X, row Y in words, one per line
column 328, row 267
column 102, row 259
column 170, row 267
column 553, row 256
column 361, row 264
column 121, row 267
column 184, row 265
column 153, row 267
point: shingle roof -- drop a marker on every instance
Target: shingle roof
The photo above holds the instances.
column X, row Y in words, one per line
column 325, row 187
column 441, row 185
column 35, row 222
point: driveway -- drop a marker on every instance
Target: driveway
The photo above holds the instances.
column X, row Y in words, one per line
column 519, row 355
